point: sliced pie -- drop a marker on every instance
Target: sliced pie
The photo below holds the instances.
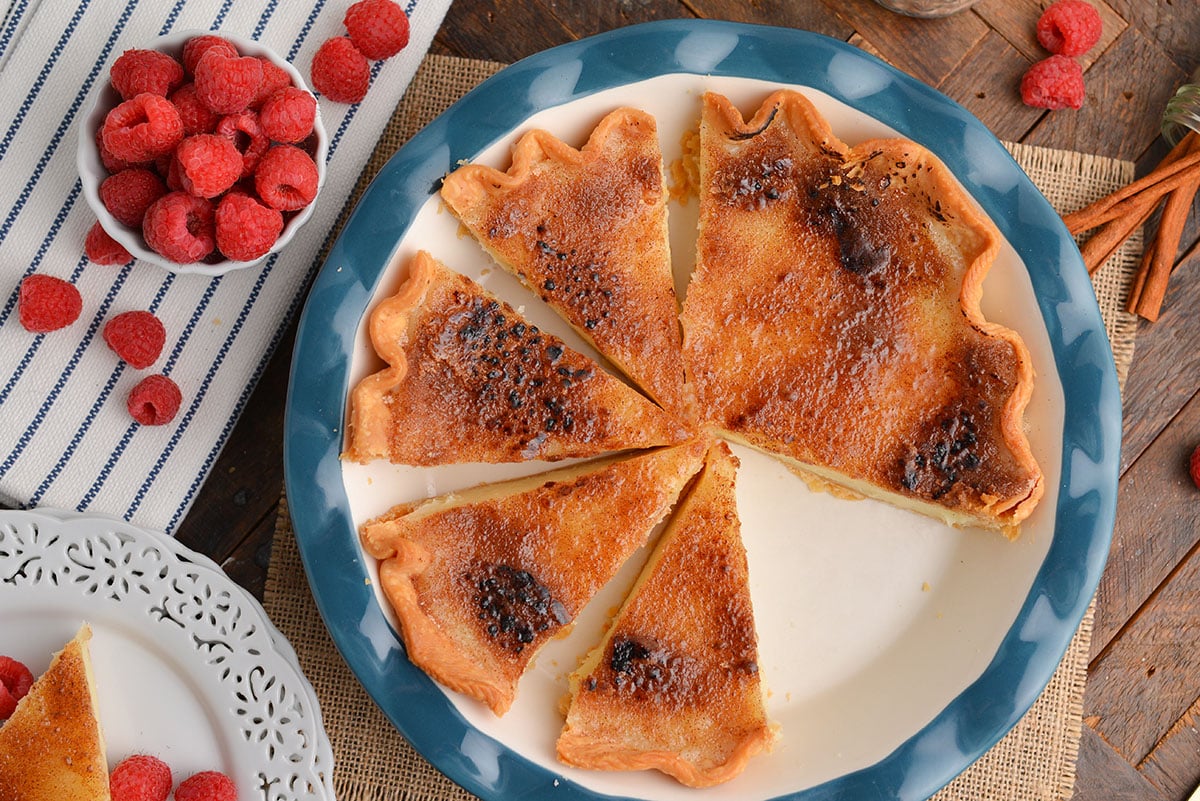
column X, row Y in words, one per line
column 52, row 748
column 470, row 380
column 587, row 231
column 481, row 579
column 675, row 685
column 833, row 317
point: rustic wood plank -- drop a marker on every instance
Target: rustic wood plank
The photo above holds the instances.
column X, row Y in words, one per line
column 1146, row 679
column 1016, row 21
column 988, row 84
column 928, row 49
column 1166, row 363
column 1174, row 764
column 1158, row 525
column 809, row 16
column 499, row 31
column 1174, row 25
column 1102, row 775
column 1126, row 93
column 247, row 564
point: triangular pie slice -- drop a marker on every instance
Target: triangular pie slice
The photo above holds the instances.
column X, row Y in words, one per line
column 471, row 380
column 481, row 579
column 52, row 748
column 833, row 318
column 586, row 230
column 675, row 685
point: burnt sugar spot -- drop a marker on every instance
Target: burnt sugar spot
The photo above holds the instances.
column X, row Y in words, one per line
column 513, row 607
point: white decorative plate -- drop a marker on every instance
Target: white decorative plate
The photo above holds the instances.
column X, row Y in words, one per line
column 187, row 664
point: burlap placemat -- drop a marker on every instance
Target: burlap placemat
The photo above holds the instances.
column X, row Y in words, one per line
column 1036, row 760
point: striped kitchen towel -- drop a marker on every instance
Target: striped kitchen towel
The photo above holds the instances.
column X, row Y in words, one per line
column 66, row 438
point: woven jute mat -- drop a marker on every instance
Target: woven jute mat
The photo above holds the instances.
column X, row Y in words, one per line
column 1036, row 760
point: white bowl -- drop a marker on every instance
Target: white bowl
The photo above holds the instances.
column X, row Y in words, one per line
column 92, row 172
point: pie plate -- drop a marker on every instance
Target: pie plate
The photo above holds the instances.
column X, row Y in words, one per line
column 187, row 665
column 896, row 650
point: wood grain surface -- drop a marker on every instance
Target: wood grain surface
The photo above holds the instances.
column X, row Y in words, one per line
column 1142, row 707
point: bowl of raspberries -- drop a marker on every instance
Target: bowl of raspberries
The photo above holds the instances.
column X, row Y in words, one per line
column 203, row 153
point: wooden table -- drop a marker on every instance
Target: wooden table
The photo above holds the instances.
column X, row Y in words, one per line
column 1141, row 738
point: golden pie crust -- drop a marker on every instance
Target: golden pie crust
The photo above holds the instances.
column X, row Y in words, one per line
column 480, row 580
column 675, row 685
column 471, row 380
column 833, row 317
column 586, row 230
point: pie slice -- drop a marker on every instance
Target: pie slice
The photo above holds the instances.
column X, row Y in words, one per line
column 675, row 685
column 470, row 380
column 833, row 317
column 52, row 748
column 481, row 579
column 586, row 230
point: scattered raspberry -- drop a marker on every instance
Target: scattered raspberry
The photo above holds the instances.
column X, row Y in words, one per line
column 15, row 681
column 46, row 303
column 103, row 249
column 244, row 130
column 196, row 117
column 227, row 84
column 128, row 193
column 210, row 785
column 138, row 71
column 197, row 46
column 140, row 778
column 142, row 129
column 286, row 178
column 1054, row 83
column 340, row 71
column 378, row 28
column 179, row 227
column 155, row 401
column 137, row 337
column 1194, row 466
column 246, row 229
column 208, row 164
column 1069, row 28
column 274, row 78
column 288, row 115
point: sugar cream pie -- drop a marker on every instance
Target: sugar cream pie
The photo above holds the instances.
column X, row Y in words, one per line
column 481, row 579
column 586, row 230
column 52, row 748
column 675, row 684
column 833, row 317
column 471, row 380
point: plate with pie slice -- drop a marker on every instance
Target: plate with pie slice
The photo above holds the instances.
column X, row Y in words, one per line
column 962, row 382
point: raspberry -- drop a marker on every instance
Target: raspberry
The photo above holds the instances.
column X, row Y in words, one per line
column 340, row 71
column 1069, row 28
column 140, row 778
column 155, row 401
column 15, row 680
column 142, row 129
column 244, row 130
column 288, row 115
column 110, row 162
column 1054, row 83
column 197, row 46
column 210, row 785
column 286, row 178
column 103, row 249
column 179, row 227
column 137, row 337
column 274, row 78
column 138, row 71
column 1194, row 466
column 227, row 84
column 208, row 164
column 46, row 303
column 128, row 194
column 246, row 229
column 378, row 28
column 196, row 117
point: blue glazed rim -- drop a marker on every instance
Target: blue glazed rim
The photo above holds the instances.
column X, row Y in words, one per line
column 1031, row 650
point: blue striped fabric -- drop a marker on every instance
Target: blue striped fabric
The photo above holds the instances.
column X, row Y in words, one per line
column 66, row 439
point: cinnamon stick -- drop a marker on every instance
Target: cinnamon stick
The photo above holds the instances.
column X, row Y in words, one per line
column 1147, row 295
column 1162, row 179
column 1109, row 238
